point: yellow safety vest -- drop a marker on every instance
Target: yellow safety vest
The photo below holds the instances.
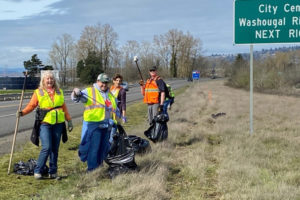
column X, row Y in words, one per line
column 95, row 106
column 56, row 115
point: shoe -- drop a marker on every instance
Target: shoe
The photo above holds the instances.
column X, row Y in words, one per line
column 53, row 176
column 37, row 176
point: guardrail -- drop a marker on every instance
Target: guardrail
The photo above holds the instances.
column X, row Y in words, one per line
column 27, row 95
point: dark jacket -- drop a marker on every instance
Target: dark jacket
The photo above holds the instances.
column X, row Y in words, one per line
column 39, row 117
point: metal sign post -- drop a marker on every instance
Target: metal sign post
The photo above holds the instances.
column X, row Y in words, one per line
column 262, row 22
column 251, row 89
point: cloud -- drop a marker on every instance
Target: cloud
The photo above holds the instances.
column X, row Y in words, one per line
column 20, row 9
column 14, row 56
column 28, row 50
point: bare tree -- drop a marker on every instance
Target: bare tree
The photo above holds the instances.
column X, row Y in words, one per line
column 147, row 56
column 99, row 39
column 62, row 55
column 188, row 51
column 89, row 41
column 109, row 44
column 179, row 51
column 129, row 50
column 163, row 49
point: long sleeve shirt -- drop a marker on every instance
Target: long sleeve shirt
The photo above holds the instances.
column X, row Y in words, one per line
column 33, row 103
column 121, row 98
column 84, row 97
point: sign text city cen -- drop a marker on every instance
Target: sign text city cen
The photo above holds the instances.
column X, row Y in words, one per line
column 266, row 21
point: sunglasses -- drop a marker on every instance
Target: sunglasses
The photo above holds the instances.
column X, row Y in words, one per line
column 152, row 70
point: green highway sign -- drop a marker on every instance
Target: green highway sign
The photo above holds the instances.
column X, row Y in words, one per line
column 266, row 21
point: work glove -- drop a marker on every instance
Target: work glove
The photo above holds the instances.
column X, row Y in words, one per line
column 141, row 82
column 70, row 126
column 124, row 119
column 19, row 114
column 160, row 109
column 77, row 92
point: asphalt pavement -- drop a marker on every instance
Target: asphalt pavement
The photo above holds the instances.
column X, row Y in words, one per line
column 8, row 110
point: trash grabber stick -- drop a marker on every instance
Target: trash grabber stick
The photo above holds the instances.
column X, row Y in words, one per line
column 17, row 124
column 136, row 62
column 87, row 96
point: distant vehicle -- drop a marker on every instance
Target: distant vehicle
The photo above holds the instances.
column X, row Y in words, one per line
column 190, row 79
column 213, row 74
column 125, row 85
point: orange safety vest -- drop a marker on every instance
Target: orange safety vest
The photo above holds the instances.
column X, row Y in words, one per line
column 115, row 90
column 151, row 91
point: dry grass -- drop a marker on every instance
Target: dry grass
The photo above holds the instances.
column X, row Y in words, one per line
column 262, row 166
column 205, row 158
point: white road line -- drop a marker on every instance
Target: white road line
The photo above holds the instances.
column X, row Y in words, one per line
column 7, row 115
column 72, row 104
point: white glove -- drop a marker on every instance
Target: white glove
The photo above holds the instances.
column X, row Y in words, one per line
column 19, row 114
column 77, row 92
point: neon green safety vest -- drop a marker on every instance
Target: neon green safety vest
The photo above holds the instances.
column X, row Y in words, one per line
column 95, row 106
column 171, row 93
column 56, row 115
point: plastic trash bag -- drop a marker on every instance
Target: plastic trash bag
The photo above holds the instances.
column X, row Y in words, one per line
column 158, row 130
column 27, row 168
column 121, row 155
column 139, row 145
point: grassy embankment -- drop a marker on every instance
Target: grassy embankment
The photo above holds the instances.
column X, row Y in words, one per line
column 203, row 158
column 72, row 170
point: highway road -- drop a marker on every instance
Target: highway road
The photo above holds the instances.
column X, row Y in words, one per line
column 8, row 109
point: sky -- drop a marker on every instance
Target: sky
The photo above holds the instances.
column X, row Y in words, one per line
column 30, row 27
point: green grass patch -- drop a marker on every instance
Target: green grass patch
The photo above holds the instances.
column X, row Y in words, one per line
column 75, row 181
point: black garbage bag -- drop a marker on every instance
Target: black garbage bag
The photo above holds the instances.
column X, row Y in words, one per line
column 139, row 145
column 158, row 130
column 27, row 168
column 121, row 155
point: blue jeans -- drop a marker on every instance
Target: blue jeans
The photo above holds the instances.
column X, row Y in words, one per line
column 50, row 137
column 165, row 108
column 98, row 149
column 113, row 131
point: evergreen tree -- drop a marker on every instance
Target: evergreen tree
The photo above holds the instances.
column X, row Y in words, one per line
column 47, row 67
column 80, row 67
column 93, row 67
column 32, row 65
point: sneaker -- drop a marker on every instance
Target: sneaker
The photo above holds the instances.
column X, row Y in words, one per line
column 37, row 176
column 53, row 176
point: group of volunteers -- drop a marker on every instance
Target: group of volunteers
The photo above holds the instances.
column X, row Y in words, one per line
column 104, row 107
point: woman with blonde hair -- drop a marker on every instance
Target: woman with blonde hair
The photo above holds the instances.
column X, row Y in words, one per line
column 52, row 113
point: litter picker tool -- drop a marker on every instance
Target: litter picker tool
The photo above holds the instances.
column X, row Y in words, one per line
column 136, row 62
column 17, row 123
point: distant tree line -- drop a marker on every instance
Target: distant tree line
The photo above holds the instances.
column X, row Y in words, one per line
column 279, row 72
column 175, row 53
